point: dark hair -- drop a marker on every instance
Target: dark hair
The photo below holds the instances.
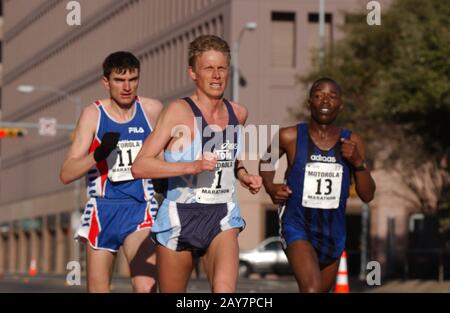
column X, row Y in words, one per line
column 205, row 43
column 120, row 61
column 324, row 80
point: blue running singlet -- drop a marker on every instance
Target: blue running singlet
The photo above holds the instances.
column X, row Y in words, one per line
column 118, row 204
column 315, row 211
column 198, row 207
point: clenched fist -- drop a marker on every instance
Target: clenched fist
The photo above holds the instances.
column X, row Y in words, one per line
column 350, row 152
column 207, row 163
column 279, row 193
column 251, row 182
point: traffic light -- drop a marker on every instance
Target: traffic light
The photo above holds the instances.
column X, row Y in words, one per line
column 12, row 132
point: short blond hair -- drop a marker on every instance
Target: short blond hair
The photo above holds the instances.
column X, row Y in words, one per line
column 205, row 43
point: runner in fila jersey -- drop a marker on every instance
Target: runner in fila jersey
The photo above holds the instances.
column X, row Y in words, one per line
column 120, row 209
column 200, row 137
column 321, row 160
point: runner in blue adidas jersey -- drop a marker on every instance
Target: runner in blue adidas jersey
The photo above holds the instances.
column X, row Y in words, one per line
column 120, row 208
column 200, row 137
column 321, row 157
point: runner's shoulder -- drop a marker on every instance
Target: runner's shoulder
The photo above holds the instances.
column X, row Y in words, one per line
column 89, row 112
column 88, row 119
column 178, row 111
column 151, row 106
column 288, row 135
column 240, row 110
column 151, row 103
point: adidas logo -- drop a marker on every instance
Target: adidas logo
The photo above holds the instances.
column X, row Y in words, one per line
column 321, row 158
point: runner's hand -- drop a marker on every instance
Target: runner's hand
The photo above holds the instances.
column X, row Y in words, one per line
column 350, row 151
column 207, row 163
column 251, row 182
column 108, row 144
column 279, row 193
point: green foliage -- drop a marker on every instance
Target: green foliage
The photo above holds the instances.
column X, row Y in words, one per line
column 396, row 77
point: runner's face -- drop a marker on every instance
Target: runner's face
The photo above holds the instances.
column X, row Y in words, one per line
column 123, row 86
column 210, row 73
column 325, row 103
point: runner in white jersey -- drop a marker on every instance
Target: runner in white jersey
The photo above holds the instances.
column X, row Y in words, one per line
column 120, row 209
column 199, row 135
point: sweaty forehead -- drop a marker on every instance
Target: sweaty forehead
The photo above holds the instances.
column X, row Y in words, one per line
column 122, row 72
column 212, row 55
column 327, row 86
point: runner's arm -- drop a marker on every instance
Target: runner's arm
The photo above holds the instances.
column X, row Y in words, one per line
column 78, row 161
column 277, row 192
column 249, row 181
column 365, row 185
column 147, row 163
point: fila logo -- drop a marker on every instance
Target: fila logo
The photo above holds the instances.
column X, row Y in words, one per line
column 329, row 159
column 135, row 130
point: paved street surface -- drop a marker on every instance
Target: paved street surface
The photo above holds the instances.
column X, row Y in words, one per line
column 48, row 283
column 414, row 286
column 268, row 284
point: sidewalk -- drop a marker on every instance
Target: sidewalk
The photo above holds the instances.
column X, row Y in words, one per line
column 414, row 286
column 53, row 283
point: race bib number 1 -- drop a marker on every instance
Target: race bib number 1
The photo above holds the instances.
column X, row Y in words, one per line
column 218, row 186
column 121, row 160
column 322, row 185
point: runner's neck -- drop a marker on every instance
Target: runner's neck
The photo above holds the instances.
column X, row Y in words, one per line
column 214, row 111
column 118, row 112
column 323, row 136
column 211, row 106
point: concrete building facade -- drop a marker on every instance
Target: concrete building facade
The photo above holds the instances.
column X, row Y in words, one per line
column 40, row 48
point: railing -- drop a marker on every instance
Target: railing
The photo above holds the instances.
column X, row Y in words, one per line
column 421, row 263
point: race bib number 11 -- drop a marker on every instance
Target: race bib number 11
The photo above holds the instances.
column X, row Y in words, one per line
column 121, row 160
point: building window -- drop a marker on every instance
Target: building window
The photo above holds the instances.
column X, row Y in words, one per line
column 313, row 41
column 314, row 18
column 283, row 39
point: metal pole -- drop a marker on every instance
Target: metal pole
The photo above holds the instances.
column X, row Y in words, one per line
column 74, row 99
column 321, row 31
column 364, row 240
column 34, row 125
column 75, row 216
column 391, row 247
column 235, row 68
column 77, row 193
column 235, row 59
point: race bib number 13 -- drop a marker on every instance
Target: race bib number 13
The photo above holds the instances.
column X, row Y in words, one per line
column 121, row 160
column 322, row 185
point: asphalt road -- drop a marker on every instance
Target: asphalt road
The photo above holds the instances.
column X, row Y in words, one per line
column 50, row 284
column 255, row 284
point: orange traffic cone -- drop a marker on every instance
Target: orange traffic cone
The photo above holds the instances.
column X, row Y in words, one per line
column 32, row 271
column 342, row 276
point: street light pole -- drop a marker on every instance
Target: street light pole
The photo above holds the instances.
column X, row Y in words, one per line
column 75, row 217
column 321, row 31
column 364, row 240
column 74, row 99
column 235, row 59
